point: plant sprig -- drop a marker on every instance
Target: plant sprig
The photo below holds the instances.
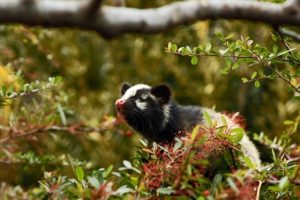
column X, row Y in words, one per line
column 244, row 51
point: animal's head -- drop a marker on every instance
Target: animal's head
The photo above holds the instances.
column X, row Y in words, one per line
column 145, row 108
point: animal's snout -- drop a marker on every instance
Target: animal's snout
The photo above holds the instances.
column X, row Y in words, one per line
column 120, row 104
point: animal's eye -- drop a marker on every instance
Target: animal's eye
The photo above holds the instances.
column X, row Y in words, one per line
column 143, row 96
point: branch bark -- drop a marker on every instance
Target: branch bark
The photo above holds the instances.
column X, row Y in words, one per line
column 114, row 21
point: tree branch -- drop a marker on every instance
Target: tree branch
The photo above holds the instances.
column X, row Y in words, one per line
column 93, row 7
column 114, row 21
column 289, row 33
column 74, row 129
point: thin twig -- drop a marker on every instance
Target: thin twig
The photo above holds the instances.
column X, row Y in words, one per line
column 289, row 33
column 276, row 182
column 74, row 129
column 223, row 56
column 279, row 75
column 9, row 162
column 258, row 189
column 14, row 95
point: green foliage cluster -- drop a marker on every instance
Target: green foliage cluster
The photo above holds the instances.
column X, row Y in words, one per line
column 243, row 51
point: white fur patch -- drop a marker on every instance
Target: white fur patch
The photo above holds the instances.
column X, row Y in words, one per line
column 132, row 90
column 166, row 111
column 247, row 147
column 141, row 105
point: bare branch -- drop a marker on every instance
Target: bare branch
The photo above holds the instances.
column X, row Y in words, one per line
column 114, row 21
column 276, row 182
column 289, row 33
column 258, row 189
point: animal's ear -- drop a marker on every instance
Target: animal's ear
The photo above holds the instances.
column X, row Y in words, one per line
column 162, row 93
column 125, row 87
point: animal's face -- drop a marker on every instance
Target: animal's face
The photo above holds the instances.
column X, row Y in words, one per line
column 144, row 108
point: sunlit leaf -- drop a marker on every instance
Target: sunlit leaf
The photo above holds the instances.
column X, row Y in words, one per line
column 194, row 60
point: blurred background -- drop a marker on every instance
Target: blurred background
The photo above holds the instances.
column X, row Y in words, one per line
column 93, row 70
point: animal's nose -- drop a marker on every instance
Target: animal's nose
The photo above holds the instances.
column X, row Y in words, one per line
column 120, row 103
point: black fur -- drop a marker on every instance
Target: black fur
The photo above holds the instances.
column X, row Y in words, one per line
column 125, row 87
column 152, row 122
column 162, row 93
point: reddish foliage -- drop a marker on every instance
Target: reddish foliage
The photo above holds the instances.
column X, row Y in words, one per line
column 103, row 192
column 247, row 191
column 170, row 165
column 237, row 119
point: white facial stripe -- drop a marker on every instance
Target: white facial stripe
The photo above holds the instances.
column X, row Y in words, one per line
column 141, row 105
column 132, row 90
column 166, row 111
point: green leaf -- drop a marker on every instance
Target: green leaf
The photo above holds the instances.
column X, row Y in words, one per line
column 283, row 183
column 195, row 132
column 189, row 169
column 207, row 118
column 208, row 47
column 188, row 48
column 249, row 42
column 236, row 135
column 249, row 162
column 285, row 52
column 93, row 181
column 235, row 66
column 217, row 180
column 223, row 52
column 173, row 47
column 274, row 37
column 178, row 143
column 275, row 48
column 288, row 122
column 232, row 185
column 183, row 50
column 224, row 122
column 229, row 36
column 194, row 60
column 123, row 190
column 257, row 84
column 274, row 188
column 244, row 80
column 127, row 164
column 274, row 155
column 107, row 171
column 261, row 73
column 62, row 114
column 254, row 74
column 79, row 173
column 228, row 62
column 203, row 138
column 225, row 70
column 165, row 190
column 169, row 46
column 57, row 79
column 3, row 90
